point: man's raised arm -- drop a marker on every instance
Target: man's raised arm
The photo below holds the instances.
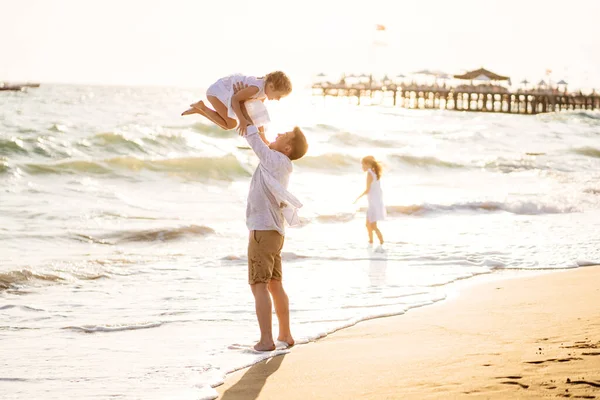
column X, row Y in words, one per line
column 266, row 156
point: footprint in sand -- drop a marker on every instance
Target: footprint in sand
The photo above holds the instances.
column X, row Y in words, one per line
column 554, row 360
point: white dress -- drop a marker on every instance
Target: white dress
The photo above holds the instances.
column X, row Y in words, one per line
column 376, row 210
column 223, row 90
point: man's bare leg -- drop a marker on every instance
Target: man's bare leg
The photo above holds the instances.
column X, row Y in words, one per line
column 262, row 301
column 282, row 308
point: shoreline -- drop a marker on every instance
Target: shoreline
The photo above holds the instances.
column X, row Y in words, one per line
column 414, row 355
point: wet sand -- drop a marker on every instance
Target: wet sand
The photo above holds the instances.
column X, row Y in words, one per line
column 518, row 338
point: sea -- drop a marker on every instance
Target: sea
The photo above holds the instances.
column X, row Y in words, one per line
column 123, row 268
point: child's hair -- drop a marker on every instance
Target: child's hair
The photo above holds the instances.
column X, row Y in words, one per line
column 280, row 82
column 299, row 145
column 373, row 164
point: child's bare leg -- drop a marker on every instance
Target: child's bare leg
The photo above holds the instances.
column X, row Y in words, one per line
column 210, row 114
column 377, row 232
column 370, row 231
column 218, row 115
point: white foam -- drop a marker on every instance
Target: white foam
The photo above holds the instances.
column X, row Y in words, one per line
column 114, row 328
column 515, row 207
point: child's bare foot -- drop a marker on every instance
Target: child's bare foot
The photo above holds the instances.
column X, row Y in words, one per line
column 196, row 108
column 199, row 106
column 287, row 339
column 260, row 346
column 189, row 111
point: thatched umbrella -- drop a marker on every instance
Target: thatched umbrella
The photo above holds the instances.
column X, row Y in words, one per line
column 563, row 84
column 471, row 75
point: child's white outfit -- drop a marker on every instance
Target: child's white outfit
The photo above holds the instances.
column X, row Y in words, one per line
column 376, row 210
column 223, row 90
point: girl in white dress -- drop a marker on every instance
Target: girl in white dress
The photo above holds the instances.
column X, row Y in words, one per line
column 227, row 104
column 376, row 210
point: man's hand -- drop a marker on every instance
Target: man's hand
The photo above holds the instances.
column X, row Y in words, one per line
column 239, row 86
column 242, row 127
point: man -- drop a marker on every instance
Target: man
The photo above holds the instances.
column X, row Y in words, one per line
column 267, row 200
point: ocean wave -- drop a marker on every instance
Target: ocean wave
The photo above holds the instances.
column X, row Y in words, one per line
column 213, row 130
column 592, row 191
column 60, row 128
column 289, row 256
column 219, row 168
column 352, row 140
column 123, row 144
column 326, row 127
column 285, row 255
column 163, row 234
column 115, row 142
column 101, row 143
column 114, row 328
column 588, row 114
column 12, row 279
column 66, row 167
column 12, row 146
column 333, row 218
column 25, row 277
column 577, row 114
column 424, row 162
column 89, row 239
column 329, row 161
column 520, row 208
column 587, row 151
column 19, row 307
column 4, row 168
column 508, row 166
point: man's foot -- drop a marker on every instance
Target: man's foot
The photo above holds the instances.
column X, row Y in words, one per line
column 260, row 346
column 287, row 339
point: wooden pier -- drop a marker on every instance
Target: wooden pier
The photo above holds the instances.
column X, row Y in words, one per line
column 17, row 87
column 492, row 96
column 463, row 99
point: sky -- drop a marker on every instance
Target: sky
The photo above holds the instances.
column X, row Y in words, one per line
column 195, row 42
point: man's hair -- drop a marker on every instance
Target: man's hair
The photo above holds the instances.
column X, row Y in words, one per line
column 280, row 82
column 299, row 145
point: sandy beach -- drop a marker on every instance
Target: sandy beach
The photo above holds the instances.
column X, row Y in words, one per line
column 517, row 338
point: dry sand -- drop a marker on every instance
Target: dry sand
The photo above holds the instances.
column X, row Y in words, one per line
column 526, row 338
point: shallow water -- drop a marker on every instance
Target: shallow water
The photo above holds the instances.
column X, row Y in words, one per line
column 123, row 266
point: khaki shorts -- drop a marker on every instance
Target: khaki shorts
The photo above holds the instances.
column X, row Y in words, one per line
column 264, row 256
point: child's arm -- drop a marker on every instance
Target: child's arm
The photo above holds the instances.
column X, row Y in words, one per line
column 239, row 97
column 261, row 129
column 369, row 181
